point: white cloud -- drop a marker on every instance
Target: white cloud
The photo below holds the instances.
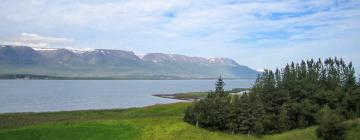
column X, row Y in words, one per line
column 41, row 45
column 28, row 37
column 238, row 29
column 35, row 40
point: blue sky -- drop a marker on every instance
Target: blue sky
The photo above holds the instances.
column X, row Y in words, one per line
column 257, row 33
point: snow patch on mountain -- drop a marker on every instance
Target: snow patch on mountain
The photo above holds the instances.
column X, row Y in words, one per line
column 44, row 49
column 140, row 56
column 74, row 50
column 223, row 60
column 81, row 50
column 216, row 59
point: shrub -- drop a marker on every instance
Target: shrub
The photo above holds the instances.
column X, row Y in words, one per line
column 331, row 126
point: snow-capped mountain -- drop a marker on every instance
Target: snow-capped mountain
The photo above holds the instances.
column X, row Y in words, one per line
column 73, row 62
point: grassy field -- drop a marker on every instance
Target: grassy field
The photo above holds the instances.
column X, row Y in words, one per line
column 159, row 122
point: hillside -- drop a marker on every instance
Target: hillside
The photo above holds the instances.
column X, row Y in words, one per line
column 159, row 122
column 60, row 63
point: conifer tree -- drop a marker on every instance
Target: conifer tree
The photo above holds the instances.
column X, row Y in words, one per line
column 349, row 77
column 285, row 99
column 219, row 87
column 284, row 120
column 257, row 108
column 331, row 126
column 233, row 122
column 241, row 112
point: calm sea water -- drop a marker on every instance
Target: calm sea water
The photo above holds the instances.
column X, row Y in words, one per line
column 63, row 95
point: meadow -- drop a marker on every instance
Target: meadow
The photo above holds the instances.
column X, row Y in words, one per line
column 158, row 122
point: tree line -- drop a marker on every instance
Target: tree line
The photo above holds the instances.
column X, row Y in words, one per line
column 296, row 96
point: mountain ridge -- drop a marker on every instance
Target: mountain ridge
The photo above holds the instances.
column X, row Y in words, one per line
column 84, row 50
column 111, row 63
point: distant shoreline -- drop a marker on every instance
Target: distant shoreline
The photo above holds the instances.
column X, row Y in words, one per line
column 155, row 77
column 192, row 96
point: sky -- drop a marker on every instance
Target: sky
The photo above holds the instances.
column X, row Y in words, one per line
column 262, row 34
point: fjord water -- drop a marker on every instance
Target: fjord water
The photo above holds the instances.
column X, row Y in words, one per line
column 65, row 95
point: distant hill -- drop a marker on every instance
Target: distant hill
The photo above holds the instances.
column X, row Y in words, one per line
column 23, row 61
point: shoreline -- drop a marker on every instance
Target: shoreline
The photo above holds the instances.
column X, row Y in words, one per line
column 192, row 96
column 187, row 97
column 122, row 79
column 90, row 110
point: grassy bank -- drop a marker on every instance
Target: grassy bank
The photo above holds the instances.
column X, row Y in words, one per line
column 190, row 96
column 154, row 122
column 184, row 96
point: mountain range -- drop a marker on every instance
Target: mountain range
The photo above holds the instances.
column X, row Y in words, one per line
column 113, row 64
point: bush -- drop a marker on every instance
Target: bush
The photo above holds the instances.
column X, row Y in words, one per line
column 331, row 126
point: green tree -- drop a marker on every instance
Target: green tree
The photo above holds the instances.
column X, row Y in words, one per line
column 285, row 99
column 257, row 113
column 219, row 88
column 233, row 117
column 284, row 120
column 196, row 114
column 241, row 116
column 331, row 126
column 350, row 104
column 211, row 112
column 246, row 112
column 259, row 128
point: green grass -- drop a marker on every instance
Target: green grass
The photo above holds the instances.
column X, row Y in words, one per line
column 66, row 131
column 184, row 96
column 191, row 95
column 159, row 122
column 195, row 95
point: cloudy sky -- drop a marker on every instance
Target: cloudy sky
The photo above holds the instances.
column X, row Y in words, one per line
column 260, row 34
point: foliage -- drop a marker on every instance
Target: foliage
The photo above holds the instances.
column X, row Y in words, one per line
column 211, row 112
column 282, row 100
column 331, row 126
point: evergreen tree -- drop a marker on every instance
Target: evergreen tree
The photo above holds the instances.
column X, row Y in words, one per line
column 246, row 112
column 349, row 80
column 233, row 117
column 294, row 113
column 259, row 128
column 242, row 119
column 197, row 114
column 331, row 126
column 351, row 104
column 211, row 112
column 285, row 99
column 284, row 120
column 278, row 78
column 257, row 113
column 219, row 87
column 307, row 111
